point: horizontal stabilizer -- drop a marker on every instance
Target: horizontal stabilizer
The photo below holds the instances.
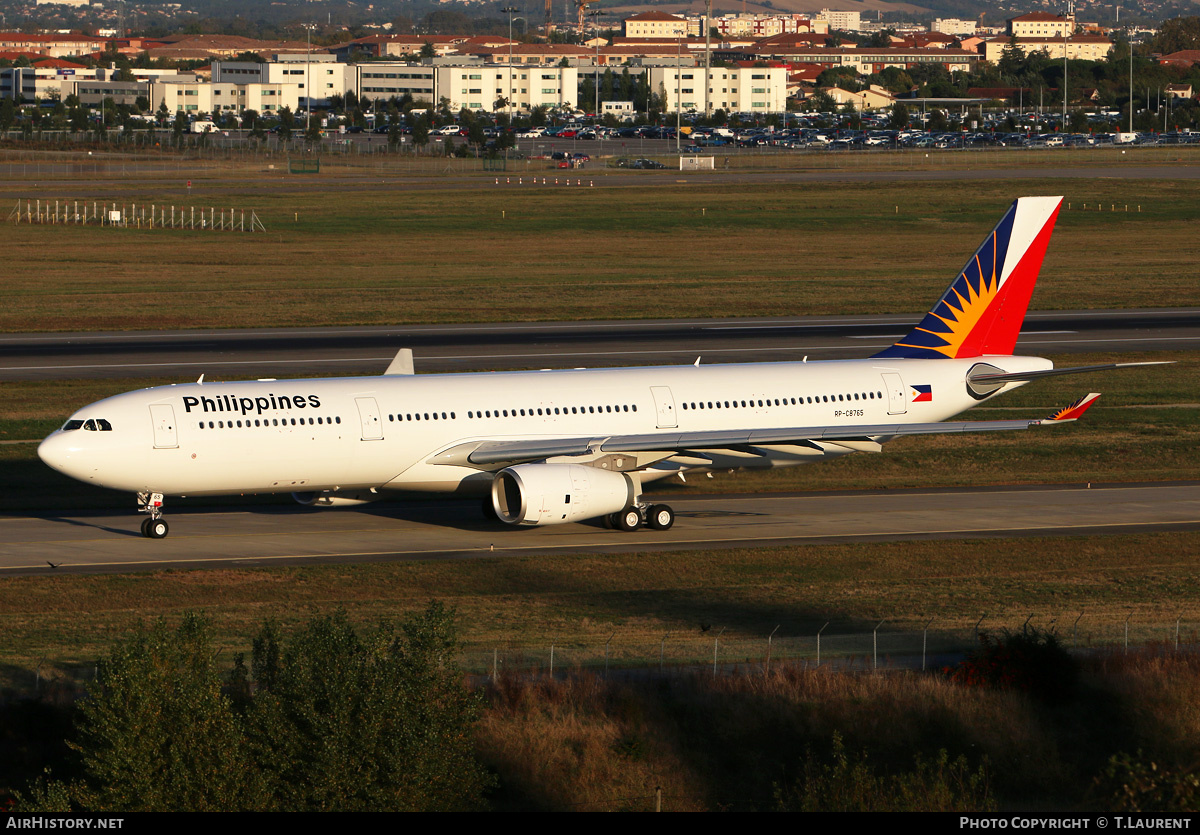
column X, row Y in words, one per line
column 1022, row 376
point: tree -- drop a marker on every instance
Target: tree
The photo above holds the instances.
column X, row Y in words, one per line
column 427, row 51
column 1012, row 59
column 8, row 114
column 822, row 102
column 420, row 131
column 287, row 123
column 1177, row 34
column 898, row 119
column 312, row 133
column 156, row 733
column 355, row 722
column 179, row 127
column 329, row 718
column 843, row 77
column 76, row 115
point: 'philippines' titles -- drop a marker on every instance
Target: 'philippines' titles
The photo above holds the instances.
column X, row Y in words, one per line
column 247, row 405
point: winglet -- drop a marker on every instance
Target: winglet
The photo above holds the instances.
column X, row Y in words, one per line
column 1076, row 409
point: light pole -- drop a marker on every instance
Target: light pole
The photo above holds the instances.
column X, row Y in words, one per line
column 595, row 15
column 510, row 11
column 1064, row 113
column 308, row 27
column 1131, row 82
column 678, row 91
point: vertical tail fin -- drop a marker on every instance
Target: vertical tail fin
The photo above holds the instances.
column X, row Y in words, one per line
column 982, row 311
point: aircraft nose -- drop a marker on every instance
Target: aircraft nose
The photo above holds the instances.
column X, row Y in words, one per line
column 55, row 451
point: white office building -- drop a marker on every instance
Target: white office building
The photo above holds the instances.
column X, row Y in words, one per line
column 383, row 80
column 199, row 97
column 480, row 87
column 320, row 73
column 952, row 26
column 737, row 90
column 841, row 21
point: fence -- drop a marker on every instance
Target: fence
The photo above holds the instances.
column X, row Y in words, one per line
column 73, row 213
column 826, row 645
column 878, row 648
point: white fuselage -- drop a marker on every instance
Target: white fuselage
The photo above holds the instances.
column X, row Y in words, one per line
column 381, row 432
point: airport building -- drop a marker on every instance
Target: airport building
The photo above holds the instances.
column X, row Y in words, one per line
column 481, row 87
column 736, row 90
column 199, row 97
column 661, row 25
column 320, row 73
column 1086, row 47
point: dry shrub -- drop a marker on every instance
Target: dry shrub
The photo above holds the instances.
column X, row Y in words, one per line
column 1159, row 695
column 578, row 744
column 894, row 717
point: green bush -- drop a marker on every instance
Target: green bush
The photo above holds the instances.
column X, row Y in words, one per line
column 328, row 719
column 1135, row 785
column 845, row 783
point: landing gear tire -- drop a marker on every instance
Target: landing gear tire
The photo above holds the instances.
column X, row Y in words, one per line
column 155, row 528
column 146, row 524
column 628, row 520
column 660, row 517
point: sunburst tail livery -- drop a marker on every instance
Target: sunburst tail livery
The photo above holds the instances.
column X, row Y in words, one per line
column 980, row 314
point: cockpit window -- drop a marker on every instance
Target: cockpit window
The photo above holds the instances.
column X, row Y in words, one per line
column 90, row 425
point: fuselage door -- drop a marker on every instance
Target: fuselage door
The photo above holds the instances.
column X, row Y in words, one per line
column 368, row 416
column 664, row 403
column 897, row 402
column 162, row 418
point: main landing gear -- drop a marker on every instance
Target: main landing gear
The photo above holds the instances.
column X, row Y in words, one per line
column 658, row 517
column 154, row 526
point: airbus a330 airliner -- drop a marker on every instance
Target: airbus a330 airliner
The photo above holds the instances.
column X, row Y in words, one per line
column 550, row 447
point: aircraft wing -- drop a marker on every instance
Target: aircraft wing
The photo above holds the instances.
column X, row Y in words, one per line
column 495, row 455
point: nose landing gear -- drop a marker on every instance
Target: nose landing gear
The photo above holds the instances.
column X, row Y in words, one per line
column 154, row 526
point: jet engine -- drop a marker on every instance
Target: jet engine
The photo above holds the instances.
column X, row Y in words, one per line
column 554, row 494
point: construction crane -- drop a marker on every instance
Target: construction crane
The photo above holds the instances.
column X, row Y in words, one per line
column 582, row 11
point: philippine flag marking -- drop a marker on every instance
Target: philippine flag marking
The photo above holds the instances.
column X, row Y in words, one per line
column 922, row 394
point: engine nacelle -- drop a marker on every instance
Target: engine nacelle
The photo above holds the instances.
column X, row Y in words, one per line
column 554, row 494
column 332, row 498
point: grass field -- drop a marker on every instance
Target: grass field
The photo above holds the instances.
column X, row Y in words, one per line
column 337, row 254
column 520, row 606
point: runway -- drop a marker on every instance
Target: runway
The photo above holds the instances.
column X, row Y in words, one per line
column 290, row 352
column 268, row 535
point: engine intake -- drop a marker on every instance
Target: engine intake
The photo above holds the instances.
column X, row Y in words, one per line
column 554, row 494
